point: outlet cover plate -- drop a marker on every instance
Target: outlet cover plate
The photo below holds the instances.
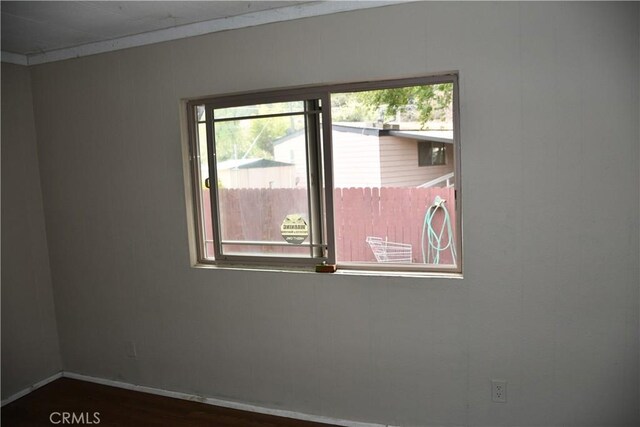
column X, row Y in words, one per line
column 499, row 391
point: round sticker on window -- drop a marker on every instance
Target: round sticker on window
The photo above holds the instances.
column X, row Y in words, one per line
column 294, row 229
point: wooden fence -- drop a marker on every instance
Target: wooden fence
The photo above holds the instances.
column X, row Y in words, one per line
column 392, row 213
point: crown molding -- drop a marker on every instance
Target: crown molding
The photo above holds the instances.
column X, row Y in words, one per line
column 14, row 58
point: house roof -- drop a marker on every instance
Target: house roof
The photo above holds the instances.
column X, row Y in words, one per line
column 288, row 137
column 360, row 128
column 425, row 135
column 445, row 136
column 251, row 164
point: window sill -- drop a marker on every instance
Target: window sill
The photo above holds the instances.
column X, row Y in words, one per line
column 399, row 273
column 340, row 271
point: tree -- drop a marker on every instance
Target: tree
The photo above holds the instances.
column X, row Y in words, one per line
column 254, row 137
column 230, row 141
column 348, row 107
column 266, row 131
column 428, row 101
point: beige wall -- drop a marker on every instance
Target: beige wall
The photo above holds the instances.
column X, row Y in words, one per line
column 549, row 301
column 369, row 161
column 293, row 151
column 271, row 177
column 356, row 160
column 399, row 163
column 30, row 350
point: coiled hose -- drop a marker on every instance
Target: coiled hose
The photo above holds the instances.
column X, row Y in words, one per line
column 434, row 242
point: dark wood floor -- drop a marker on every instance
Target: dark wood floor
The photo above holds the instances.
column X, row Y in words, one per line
column 118, row 407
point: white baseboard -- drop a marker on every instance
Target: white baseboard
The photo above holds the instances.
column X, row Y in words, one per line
column 193, row 398
column 28, row 390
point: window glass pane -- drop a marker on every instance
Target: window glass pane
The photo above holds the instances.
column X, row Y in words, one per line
column 437, row 154
column 262, row 186
column 261, row 109
column 389, row 209
column 431, row 153
column 203, row 184
column 199, row 111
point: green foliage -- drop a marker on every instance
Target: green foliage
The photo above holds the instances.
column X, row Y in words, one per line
column 426, row 102
column 254, row 138
column 266, row 131
column 347, row 107
column 229, row 140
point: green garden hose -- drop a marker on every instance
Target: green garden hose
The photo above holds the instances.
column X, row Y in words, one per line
column 434, row 244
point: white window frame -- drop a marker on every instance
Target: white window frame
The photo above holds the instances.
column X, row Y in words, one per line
column 319, row 162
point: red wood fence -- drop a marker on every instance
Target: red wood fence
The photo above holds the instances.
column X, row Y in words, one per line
column 392, row 213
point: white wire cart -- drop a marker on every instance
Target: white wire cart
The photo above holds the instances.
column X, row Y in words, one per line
column 386, row 251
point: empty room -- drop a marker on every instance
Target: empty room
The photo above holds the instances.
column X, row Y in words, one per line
column 320, row 213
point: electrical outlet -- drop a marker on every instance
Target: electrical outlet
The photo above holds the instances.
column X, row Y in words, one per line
column 132, row 353
column 499, row 391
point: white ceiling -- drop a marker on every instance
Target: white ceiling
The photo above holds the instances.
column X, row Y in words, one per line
column 44, row 31
column 40, row 26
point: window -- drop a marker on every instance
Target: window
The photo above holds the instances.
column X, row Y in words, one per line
column 431, row 153
column 329, row 175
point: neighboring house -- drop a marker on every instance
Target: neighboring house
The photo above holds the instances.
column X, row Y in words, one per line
column 425, row 158
column 375, row 157
column 256, row 173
